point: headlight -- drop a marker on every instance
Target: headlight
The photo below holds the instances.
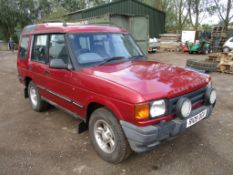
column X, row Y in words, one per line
column 213, row 96
column 186, row 108
column 157, row 108
column 210, row 96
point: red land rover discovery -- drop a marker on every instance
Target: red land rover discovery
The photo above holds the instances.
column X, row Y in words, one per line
column 100, row 75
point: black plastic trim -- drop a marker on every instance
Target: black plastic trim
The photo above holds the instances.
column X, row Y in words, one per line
column 143, row 139
column 61, row 96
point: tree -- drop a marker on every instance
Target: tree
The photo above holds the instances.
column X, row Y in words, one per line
column 224, row 12
column 176, row 17
column 18, row 13
column 197, row 10
column 70, row 5
column 58, row 14
column 9, row 18
column 181, row 16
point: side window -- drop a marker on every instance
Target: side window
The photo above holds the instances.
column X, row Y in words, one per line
column 231, row 40
column 39, row 51
column 23, row 48
column 57, row 47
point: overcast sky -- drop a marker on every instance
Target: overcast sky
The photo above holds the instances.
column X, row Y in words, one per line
column 207, row 19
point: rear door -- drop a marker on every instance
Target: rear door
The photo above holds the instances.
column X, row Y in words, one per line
column 38, row 66
column 22, row 58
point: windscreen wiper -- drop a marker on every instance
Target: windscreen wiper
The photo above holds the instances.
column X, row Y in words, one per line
column 112, row 59
column 137, row 57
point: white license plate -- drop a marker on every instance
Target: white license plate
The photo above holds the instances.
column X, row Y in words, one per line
column 193, row 120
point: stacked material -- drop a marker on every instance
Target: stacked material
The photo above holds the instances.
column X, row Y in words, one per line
column 218, row 38
column 224, row 60
column 169, row 41
column 169, row 37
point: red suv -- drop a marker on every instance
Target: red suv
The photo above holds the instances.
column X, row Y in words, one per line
column 100, row 75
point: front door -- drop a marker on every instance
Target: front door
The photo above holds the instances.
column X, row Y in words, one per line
column 61, row 85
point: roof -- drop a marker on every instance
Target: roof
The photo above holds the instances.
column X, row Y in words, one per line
column 68, row 28
column 111, row 3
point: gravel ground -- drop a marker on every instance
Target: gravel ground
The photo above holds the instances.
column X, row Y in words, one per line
column 47, row 143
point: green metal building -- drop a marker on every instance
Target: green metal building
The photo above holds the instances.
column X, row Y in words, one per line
column 125, row 7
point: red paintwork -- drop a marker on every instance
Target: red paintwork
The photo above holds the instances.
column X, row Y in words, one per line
column 117, row 86
column 183, row 47
column 72, row 27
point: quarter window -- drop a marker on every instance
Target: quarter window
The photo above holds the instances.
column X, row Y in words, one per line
column 39, row 52
column 23, row 48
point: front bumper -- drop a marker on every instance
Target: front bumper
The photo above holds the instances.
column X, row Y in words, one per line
column 142, row 139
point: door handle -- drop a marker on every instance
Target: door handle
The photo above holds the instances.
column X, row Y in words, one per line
column 46, row 73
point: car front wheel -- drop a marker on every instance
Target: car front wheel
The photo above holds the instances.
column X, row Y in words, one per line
column 107, row 136
column 37, row 103
column 226, row 49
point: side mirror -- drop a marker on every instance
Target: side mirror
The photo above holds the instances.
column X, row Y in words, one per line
column 58, row 64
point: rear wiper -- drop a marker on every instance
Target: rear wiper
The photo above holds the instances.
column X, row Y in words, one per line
column 112, row 59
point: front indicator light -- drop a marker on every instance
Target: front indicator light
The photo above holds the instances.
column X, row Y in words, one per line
column 142, row 111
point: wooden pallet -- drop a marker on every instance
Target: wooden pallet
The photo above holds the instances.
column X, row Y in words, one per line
column 226, row 68
column 220, row 57
column 224, row 60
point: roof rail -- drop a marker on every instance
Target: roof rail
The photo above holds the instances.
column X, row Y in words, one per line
column 56, row 21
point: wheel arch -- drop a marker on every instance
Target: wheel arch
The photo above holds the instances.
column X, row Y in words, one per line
column 227, row 47
column 93, row 105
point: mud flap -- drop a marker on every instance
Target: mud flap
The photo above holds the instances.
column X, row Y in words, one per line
column 25, row 92
column 83, row 126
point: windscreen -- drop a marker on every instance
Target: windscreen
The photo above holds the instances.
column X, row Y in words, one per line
column 95, row 48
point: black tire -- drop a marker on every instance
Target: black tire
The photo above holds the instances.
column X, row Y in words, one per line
column 226, row 49
column 206, row 51
column 41, row 105
column 207, row 66
column 122, row 149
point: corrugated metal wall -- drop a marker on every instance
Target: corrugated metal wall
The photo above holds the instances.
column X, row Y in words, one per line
column 126, row 7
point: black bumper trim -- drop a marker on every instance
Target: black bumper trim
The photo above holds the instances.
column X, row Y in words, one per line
column 142, row 139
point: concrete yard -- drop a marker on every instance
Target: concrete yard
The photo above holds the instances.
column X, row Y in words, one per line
column 47, row 143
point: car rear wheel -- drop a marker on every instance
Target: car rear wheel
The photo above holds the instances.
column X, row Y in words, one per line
column 107, row 136
column 35, row 99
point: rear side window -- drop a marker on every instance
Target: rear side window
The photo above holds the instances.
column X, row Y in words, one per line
column 23, row 48
column 40, row 51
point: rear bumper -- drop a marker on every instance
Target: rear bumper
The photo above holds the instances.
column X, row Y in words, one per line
column 142, row 139
column 152, row 49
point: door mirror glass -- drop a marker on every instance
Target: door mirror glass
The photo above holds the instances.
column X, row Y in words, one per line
column 58, row 64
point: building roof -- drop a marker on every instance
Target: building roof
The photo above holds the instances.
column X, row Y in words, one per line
column 112, row 3
column 68, row 28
